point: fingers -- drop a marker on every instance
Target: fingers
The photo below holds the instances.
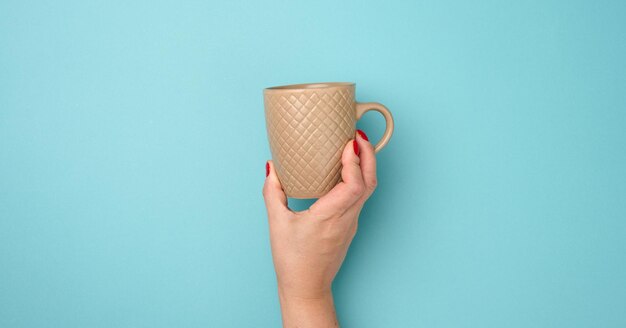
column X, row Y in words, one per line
column 368, row 163
column 275, row 198
column 347, row 192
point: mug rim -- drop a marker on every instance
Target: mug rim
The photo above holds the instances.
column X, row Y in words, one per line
column 308, row 86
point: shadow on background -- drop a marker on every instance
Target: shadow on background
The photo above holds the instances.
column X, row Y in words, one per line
column 300, row 204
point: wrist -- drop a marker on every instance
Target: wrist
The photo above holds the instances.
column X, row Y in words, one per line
column 307, row 310
column 304, row 292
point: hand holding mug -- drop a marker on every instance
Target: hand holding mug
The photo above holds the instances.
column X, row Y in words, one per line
column 308, row 247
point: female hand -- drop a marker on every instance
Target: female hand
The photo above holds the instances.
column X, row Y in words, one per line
column 308, row 247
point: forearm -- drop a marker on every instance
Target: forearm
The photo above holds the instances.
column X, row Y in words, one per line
column 308, row 312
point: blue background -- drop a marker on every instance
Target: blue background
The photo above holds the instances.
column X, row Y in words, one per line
column 133, row 145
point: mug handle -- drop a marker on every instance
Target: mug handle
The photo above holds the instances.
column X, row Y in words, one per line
column 362, row 108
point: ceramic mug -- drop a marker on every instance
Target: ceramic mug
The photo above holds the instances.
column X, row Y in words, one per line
column 308, row 126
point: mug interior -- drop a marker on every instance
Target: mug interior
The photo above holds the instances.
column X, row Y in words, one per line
column 304, row 86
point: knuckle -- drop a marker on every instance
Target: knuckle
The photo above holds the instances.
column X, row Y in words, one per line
column 354, row 230
column 265, row 191
column 372, row 183
column 357, row 190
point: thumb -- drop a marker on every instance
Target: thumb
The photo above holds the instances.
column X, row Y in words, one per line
column 347, row 192
column 275, row 198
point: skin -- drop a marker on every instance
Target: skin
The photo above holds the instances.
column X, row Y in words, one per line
column 308, row 247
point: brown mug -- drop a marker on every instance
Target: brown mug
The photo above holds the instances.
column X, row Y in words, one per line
column 308, row 126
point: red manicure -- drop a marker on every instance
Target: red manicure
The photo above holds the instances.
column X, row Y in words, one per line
column 363, row 135
column 267, row 169
column 356, row 147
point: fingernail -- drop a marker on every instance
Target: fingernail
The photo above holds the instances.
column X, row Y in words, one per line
column 267, row 169
column 362, row 134
column 356, row 147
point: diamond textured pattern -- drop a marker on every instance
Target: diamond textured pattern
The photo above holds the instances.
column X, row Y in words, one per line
column 307, row 131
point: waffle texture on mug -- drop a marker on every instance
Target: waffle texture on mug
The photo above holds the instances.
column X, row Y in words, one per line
column 307, row 133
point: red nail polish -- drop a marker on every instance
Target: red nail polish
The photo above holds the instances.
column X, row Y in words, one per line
column 356, row 147
column 267, row 169
column 363, row 135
